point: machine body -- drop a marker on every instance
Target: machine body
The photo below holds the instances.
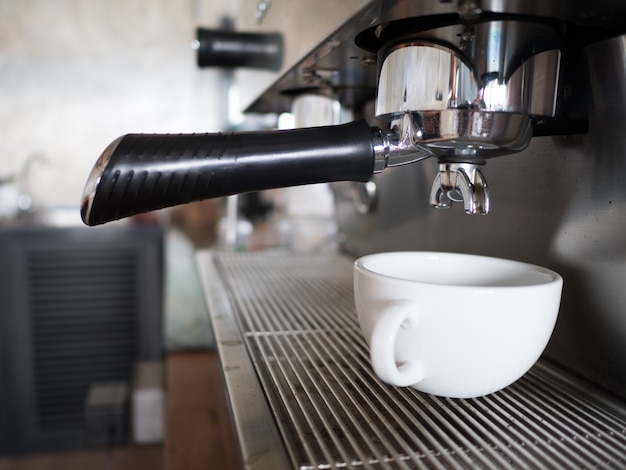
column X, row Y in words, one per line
column 529, row 94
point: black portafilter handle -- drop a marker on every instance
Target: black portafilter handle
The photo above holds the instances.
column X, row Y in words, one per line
column 140, row 173
column 235, row 49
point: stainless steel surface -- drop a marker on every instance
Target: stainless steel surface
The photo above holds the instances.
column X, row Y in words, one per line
column 292, row 316
column 260, row 443
column 460, row 182
column 492, row 66
column 94, row 178
column 460, row 135
column 400, row 146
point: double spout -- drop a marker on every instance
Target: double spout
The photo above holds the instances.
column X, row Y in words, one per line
column 459, row 179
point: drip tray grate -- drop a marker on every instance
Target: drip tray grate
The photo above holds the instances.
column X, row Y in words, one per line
column 296, row 317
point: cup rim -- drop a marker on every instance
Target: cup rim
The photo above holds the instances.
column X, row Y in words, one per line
column 551, row 277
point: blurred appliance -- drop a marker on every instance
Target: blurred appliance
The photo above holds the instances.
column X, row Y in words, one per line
column 527, row 95
column 79, row 309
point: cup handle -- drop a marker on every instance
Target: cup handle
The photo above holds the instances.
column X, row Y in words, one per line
column 399, row 314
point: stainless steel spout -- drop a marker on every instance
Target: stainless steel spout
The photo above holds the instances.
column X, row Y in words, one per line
column 460, row 182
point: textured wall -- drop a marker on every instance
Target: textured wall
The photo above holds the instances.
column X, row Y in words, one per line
column 75, row 74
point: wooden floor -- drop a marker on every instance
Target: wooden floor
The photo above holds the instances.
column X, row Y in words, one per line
column 199, row 435
column 199, row 431
column 119, row 458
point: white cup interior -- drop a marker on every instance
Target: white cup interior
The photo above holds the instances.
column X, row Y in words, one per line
column 455, row 269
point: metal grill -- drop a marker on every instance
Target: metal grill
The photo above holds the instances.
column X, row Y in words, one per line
column 83, row 306
column 297, row 318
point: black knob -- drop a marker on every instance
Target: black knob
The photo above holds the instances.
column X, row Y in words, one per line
column 234, row 49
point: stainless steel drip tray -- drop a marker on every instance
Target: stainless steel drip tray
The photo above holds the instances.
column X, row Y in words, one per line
column 303, row 394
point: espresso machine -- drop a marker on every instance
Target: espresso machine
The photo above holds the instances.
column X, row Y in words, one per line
column 509, row 115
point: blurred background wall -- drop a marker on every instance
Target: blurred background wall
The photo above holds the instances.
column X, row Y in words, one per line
column 76, row 74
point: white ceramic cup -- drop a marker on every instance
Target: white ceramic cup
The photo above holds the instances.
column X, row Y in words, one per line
column 451, row 324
